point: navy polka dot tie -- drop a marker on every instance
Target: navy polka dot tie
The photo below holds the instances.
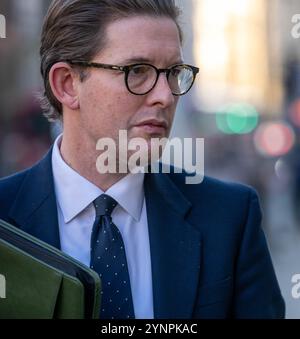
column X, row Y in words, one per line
column 108, row 259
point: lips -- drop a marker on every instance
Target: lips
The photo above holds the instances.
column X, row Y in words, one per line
column 153, row 126
column 154, row 123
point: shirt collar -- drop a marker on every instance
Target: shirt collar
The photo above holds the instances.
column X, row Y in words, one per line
column 75, row 193
column 129, row 193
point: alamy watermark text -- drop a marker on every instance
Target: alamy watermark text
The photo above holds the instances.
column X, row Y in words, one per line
column 296, row 286
column 2, row 287
column 2, row 26
column 296, row 28
column 137, row 155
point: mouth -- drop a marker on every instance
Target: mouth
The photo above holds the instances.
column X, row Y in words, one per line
column 153, row 126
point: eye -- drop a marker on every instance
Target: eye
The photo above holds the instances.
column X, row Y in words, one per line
column 140, row 70
column 175, row 72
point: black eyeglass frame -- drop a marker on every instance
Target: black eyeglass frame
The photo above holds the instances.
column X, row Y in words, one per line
column 128, row 68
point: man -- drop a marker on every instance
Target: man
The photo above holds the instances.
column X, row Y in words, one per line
column 163, row 249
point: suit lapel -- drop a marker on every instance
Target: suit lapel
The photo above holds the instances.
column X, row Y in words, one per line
column 175, row 249
column 34, row 209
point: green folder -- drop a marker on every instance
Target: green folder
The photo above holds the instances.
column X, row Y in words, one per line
column 37, row 281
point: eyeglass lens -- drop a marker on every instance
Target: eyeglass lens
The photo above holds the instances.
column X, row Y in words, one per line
column 142, row 78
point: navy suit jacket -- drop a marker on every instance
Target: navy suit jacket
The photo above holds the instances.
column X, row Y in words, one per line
column 209, row 254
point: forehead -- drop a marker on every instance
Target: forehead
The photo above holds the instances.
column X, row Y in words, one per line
column 155, row 39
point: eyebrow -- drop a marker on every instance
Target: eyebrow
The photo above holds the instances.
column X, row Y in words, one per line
column 135, row 60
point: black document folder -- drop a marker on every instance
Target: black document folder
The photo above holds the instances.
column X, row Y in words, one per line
column 40, row 282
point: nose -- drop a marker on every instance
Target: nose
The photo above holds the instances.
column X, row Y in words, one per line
column 161, row 94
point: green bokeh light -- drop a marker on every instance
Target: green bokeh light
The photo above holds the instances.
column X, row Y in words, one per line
column 237, row 119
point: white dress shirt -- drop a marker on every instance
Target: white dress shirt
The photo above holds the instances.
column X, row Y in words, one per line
column 76, row 216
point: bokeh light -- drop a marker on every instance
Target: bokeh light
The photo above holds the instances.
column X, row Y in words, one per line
column 274, row 139
column 237, row 119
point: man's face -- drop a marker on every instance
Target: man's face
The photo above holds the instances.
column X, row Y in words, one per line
column 106, row 106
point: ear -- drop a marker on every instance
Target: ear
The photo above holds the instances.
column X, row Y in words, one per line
column 63, row 81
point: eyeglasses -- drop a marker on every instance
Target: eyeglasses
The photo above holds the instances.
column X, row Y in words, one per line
column 140, row 79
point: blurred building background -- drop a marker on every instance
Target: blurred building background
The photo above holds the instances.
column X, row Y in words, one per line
column 246, row 104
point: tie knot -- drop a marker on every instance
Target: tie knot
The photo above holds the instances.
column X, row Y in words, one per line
column 104, row 205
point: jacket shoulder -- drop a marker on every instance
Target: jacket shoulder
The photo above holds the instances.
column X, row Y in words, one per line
column 12, row 182
column 219, row 202
column 9, row 187
column 212, row 187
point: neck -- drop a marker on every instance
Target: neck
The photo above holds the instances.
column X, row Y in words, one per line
column 81, row 156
